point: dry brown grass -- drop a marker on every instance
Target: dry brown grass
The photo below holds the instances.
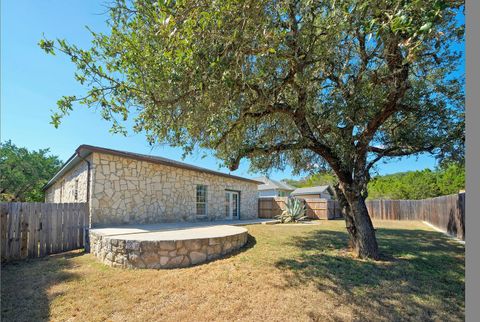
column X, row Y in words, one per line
column 287, row 273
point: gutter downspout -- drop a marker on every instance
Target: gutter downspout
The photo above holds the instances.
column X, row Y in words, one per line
column 86, row 236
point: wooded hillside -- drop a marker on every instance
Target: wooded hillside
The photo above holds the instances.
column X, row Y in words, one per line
column 427, row 183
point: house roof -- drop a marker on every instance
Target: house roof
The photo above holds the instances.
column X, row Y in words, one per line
column 84, row 151
column 269, row 184
column 312, row 190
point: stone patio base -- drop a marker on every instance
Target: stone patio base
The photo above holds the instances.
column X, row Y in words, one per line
column 166, row 249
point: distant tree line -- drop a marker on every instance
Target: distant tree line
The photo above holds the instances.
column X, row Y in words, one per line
column 447, row 179
column 23, row 173
column 318, row 179
column 423, row 184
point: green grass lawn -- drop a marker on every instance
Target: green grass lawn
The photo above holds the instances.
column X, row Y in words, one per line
column 286, row 272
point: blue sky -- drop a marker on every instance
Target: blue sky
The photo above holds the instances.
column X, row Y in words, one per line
column 32, row 82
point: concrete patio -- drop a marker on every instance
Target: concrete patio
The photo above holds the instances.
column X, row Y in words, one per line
column 169, row 245
column 163, row 227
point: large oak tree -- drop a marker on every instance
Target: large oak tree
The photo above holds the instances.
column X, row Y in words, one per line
column 331, row 84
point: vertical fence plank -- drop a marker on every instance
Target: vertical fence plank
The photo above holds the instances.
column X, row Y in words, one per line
column 41, row 231
column 48, row 228
column 60, row 242
column 79, row 222
column 18, row 231
column 8, row 220
column 75, row 225
column 66, row 228
column 81, row 226
column 15, row 231
column 72, row 226
column 10, row 229
column 24, row 210
column 53, row 232
column 71, row 216
column 461, row 202
column 31, row 230
column 3, row 229
column 36, row 241
column 58, row 228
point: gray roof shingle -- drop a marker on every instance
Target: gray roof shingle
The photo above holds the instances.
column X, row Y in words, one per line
column 311, row 190
column 269, row 184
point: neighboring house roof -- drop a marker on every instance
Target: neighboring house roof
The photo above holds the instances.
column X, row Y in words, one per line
column 312, row 190
column 84, row 151
column 269, row 184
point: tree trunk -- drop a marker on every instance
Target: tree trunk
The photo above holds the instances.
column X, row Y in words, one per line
column 365, row 242
column 349, row 223
column 358, row 223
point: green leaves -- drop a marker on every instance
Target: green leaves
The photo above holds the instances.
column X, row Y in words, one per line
column 47, row 46
column 416, row 185
column 311, row 85
column 55, row 119
column 23, row 173
column 426, row 27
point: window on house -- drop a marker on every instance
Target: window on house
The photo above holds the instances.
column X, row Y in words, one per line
column 201, row 200
column 75, row 194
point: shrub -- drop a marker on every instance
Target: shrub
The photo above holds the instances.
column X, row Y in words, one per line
column 294, row 211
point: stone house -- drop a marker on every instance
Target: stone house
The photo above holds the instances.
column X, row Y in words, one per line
column 130, row 188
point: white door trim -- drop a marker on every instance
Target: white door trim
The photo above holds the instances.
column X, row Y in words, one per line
column 232, row 204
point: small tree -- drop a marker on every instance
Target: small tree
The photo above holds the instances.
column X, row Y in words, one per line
column 23, row 173
column 313, row 84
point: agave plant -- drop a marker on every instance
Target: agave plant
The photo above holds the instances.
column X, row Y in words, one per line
column 294, row 211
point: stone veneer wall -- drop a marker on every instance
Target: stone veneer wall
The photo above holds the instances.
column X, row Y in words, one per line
column 64, row 189
column 163, row 254
column 129, row 191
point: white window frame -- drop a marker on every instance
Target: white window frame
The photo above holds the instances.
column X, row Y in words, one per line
column 205, row 202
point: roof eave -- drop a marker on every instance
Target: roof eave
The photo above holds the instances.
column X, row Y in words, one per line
column 84, row 150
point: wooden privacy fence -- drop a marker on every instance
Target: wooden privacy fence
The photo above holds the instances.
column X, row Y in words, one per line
column 446, row 212
column 34, row 229
column 316, row 208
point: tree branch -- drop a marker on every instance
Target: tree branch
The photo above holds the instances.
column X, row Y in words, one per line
column 271, row 109
column 247, row 152
column 399, row 81
column 395, row 152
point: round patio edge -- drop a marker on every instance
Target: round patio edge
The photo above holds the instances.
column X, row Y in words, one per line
column 171, row 248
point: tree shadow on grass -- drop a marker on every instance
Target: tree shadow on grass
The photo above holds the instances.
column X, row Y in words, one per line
column 422, row 280
column 25, row 285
